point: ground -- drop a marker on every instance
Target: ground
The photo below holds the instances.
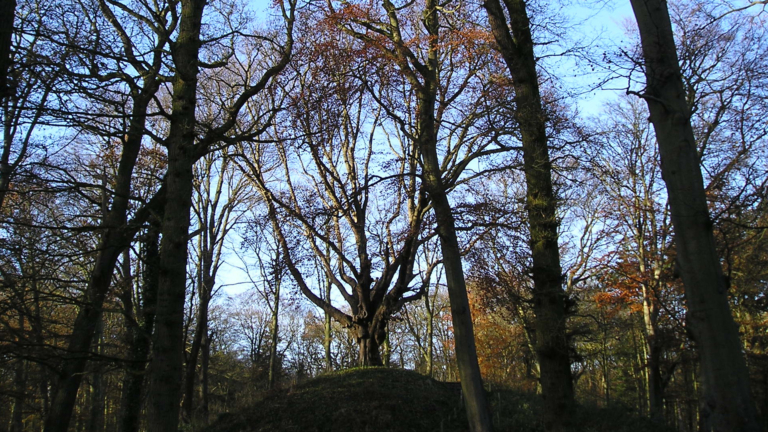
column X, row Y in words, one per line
column 394, row 400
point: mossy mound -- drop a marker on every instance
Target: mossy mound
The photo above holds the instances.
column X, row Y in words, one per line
column 369, row 399
column 394, row 400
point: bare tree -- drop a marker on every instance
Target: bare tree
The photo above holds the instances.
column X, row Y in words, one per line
column 184, row 148
column 333, row 161
column 515, row 42
column 727, row 405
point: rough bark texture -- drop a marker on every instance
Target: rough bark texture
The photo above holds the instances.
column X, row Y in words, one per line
column 166, row 369
column 727, row 402
column 548, row 295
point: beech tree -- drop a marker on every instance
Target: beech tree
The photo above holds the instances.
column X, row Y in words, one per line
column 184, row 148
column 727, row 404
column 338, row 133
column 418, row 46
column 116, row 231
column 516, row 45
column 219, row 197
column 628, row 169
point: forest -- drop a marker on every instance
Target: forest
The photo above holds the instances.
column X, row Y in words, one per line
column 203, row 202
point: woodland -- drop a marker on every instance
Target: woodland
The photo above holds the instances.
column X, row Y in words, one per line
column 203, row 202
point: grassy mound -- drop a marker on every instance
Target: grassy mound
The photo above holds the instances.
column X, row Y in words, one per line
column 371, row 399
column 394, row 400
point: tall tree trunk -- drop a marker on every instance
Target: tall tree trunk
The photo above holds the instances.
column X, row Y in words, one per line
column 430, row 335
column 387, row 350
column 20, row 389
column 201, row 330
column 204, row 363
column 141, row 336
column 7, row 15
column 166, row 371
column 115, row 237
column 727, row 402
column 548, row 295
column 327, row 337
column 653, row 359
column 274, row 328
column 475, row 400
column 96, row 415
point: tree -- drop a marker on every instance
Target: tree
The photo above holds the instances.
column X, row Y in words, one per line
column 335, row 154
column 419, row 47
column 727, row 403
column 629, row 173
column 116, row 231
column 219, row 195
column 184, row 149
column 8, row 12
column 515, row 42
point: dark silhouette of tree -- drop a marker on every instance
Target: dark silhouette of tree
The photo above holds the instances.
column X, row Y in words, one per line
column 727, row 404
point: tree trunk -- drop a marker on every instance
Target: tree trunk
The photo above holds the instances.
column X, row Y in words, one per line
column 327, row 339
column 548, row 295
column 727, row 402
column 201, row 330
column 96, row 415
column 653, row 359
column 166, row 371
column 475, row 401
column 430, row 335
column 141, row 337
column 20, row 389
column 274, row 328
column 205, row 361
column 7, row 15
column 368, row 347
column 387, row 350
column 115, row 237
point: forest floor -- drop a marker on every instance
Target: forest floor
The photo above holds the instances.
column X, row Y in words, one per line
column 395, row 400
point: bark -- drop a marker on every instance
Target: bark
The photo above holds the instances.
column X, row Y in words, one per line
column 653, row 359
column 327, row 337
column 168, row 344
column 96, row 416
column 7, row 15
column 368, row 346
column 727, row 402
column 204, row 363
column 141, row 337
column 475, row 401
column 430, row 335
column 548, row 296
